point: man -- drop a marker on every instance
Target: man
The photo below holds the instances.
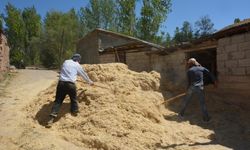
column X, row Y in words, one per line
column 195, row 76
column 66, row 85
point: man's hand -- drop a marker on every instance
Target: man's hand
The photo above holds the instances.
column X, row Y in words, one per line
column 92, row 83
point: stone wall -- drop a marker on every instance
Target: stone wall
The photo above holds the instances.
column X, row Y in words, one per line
column 88, row 48
column 233, row 63
column 138, row 61
column 107, row 58
column 4, row 55
column 172, row 69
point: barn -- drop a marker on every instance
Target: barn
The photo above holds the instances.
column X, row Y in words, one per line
column 102, row 46
column 225, row 53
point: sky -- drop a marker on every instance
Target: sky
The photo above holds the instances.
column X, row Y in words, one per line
column 221, row 12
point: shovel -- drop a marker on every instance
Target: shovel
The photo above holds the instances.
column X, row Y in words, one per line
column 172, row 98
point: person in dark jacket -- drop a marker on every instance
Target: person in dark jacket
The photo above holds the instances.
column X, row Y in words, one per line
column 195, row 76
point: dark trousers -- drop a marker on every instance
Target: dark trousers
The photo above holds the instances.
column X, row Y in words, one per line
column 64, row 88
column 192, row 90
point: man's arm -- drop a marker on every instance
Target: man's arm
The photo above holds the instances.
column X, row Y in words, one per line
column 84, row 75
column 210, row 76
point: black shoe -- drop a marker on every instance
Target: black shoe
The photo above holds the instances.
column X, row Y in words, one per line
column 75, row 113
column 181, row 116
column 206, row 119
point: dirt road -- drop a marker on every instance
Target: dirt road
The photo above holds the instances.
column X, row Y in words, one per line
column 15, row 129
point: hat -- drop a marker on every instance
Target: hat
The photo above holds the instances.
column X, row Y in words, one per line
column 76, row 57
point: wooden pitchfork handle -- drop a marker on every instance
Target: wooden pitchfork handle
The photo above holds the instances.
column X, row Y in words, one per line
column 173, row 98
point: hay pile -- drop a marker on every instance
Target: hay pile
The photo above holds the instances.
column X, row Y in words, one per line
column 120, row 112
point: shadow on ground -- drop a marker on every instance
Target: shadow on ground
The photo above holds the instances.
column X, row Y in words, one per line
column 229, row 122
column 42, row 116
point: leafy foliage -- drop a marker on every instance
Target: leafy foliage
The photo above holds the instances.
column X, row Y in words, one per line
column 204, row 27
column 33, row 28
column 58, row 39
column 153, row 13
column 15, row 34
column 100, row 14
column 127, row 18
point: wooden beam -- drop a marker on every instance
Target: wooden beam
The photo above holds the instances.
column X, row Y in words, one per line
column 116, row 54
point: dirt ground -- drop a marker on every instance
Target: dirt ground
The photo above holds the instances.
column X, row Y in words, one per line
column 120, row 112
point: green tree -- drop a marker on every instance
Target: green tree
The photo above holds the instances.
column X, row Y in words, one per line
column 15, row 33
column 100, row 14
column 186, row 32
column 59, row 37
column 127, row 18
column 204, row 27
column 236, row 20
column 177, row 39
column 1, row 23
column 33, row 28
column 153, row 13
column 168, row 40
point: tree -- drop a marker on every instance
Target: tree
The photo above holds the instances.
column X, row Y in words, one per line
column 204, row 27
column 236, row 20
column 168, row 40
column 186, row 32
column 15, row 33
column 33, row 28
column 177, row 39
column 1, row 23
column 153, row 13
column 127, row 18
column 59, row 37
column 100, row 14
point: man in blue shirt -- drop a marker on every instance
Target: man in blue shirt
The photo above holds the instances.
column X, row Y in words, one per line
column 66, row 85
column 195, row 76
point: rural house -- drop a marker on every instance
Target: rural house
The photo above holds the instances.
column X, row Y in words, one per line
column 102, row 46
column 226, row 53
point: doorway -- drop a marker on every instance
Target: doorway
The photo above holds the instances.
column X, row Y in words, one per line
column 207, row 59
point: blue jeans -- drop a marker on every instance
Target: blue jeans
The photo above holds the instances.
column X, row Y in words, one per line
column 192, row 90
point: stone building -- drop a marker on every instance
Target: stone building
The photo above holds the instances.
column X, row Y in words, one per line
column 226, row 54
column 102, row 46
column 4, row 55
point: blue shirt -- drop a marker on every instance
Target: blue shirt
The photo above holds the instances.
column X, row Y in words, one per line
column 196, row 74
column 70, row 70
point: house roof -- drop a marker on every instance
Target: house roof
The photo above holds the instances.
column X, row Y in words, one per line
column 134, row 46
column 210, row 41
column 236, row 28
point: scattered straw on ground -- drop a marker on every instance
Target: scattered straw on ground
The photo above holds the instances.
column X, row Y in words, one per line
column 121, row 112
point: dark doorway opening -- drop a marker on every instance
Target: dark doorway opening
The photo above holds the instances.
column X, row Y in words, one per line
column 121, row 57
column 207, row 59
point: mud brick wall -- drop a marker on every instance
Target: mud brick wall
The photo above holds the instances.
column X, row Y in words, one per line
column 4, row 55
column 107, row 58
column 138, row 61
column 233, row 63
column 172, row 69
